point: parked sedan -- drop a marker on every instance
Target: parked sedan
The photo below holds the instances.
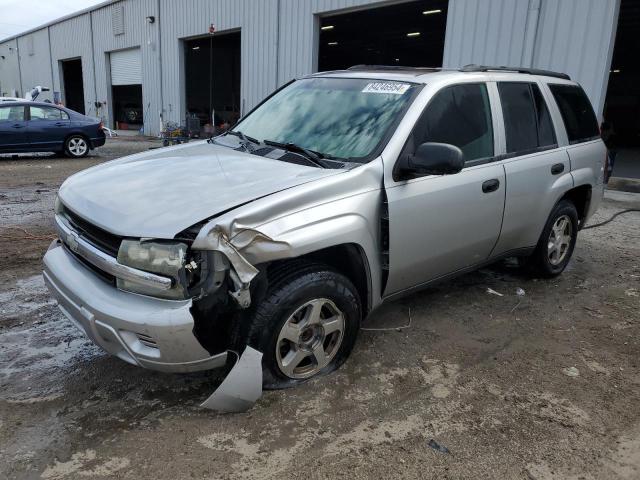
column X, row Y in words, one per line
column 43, row 127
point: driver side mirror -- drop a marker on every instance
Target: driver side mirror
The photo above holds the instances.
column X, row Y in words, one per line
column 432, row 159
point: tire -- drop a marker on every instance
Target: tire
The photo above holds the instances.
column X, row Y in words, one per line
column 303, row 301
column 557, row 241
column 76, row 146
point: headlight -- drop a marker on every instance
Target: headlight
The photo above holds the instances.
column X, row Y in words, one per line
column 164, row 258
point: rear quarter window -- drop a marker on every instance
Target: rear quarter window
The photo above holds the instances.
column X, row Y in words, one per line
column 577, row 113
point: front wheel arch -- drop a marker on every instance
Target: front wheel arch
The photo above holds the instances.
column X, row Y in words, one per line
column 350, row 260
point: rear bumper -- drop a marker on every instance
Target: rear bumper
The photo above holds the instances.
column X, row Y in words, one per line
column 98, row 141
column 144, row 331
column 597, row 194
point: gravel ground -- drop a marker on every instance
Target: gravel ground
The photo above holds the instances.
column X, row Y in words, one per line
column 540, row 386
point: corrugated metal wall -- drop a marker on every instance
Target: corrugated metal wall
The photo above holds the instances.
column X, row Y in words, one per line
column 35, row 62
column 279, row 42
column 138, row 32
column 299, row 32
column 256, row 20
column 72, row 39
column 9, row 68
column 489, row 32
column 571, row 36
column 577, row 37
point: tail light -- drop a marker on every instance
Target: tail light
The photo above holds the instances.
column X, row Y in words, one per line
column 100, row 126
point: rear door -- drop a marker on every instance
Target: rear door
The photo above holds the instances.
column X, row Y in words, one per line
column 441, row 224
column 538, row 170
column 586, row 149
column 13, row 128
column 47, row 127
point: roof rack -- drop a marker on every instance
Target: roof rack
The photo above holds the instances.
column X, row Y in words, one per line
column 393, row 68
column 530, row 71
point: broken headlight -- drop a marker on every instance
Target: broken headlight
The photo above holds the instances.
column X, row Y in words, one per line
column 168, row 259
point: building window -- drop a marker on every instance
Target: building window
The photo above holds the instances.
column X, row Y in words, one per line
column 117, row 19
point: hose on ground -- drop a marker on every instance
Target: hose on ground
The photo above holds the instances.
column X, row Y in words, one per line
column 595, row 225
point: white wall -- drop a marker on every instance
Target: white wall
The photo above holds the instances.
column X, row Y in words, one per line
column 9, row 70
column 35, row 62
column 570, row 36
column 72, row 39
column 279, row 42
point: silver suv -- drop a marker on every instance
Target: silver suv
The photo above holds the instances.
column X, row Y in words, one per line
column 341, row 191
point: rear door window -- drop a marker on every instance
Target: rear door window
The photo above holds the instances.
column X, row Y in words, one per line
column 459, row 115
column 12, row 114
column 527, row 121
column 577, row 112
column 47, row 113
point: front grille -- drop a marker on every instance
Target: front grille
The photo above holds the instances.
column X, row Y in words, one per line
column 101, row 239
column 107, row 277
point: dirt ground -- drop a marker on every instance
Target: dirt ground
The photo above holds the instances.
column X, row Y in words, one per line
column 487, row 377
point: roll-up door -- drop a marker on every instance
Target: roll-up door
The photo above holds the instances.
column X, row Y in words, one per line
column 126, row 67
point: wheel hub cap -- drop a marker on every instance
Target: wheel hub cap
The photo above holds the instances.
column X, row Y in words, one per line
column 559, row 240
column 310, row 338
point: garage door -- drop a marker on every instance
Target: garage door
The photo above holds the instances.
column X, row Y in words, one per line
column 126, row 67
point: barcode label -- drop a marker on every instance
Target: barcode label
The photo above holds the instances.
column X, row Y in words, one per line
column 394, row 88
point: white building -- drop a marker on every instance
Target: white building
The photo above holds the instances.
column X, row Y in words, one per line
column 130, row 61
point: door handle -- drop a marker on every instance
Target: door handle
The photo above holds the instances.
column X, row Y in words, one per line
column 557, row 168
column 60, row 124
column 17, row 125
column 491, row 185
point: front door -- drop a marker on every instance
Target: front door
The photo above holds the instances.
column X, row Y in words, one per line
column 47, row 127
column 13, row 128
column 441, row 224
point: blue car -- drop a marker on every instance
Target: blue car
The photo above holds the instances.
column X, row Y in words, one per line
column 44, row 127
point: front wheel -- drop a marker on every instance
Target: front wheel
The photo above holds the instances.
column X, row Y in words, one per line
column 76, row 146
column 305, row 326
column 557, row 241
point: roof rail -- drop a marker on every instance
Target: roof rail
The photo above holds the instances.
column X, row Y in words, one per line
column 393, row 68
column 530, row 71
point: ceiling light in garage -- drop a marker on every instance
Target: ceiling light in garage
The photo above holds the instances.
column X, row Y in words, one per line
column 431, row 12
column 615, row 71
column 332, row 43
column 413, row 34
column 196, row 48
column 327, row 27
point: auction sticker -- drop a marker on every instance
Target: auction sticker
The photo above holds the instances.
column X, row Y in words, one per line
column 394, row 88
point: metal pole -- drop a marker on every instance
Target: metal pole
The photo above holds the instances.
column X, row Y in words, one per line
column 213, row 120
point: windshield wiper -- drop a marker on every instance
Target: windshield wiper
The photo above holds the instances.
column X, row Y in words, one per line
column 310, row 155
column 245, row 141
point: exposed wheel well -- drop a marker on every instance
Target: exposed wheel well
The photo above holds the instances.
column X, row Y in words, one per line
column 580, row 197
column 350, row 260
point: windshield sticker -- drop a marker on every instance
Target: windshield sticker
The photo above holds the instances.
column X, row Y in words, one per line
column 387, row 87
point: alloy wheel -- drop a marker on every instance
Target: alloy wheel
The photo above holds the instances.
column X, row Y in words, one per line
column 559, row 240
column 77, row 146
column 310, row 338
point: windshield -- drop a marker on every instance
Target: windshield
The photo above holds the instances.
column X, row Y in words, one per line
column 340, row 117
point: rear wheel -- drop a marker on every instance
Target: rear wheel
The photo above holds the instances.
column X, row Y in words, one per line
column 305, row 326
column 76, row 146
column 557, row 241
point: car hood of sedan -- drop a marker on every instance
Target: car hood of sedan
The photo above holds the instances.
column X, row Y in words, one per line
column 158, row 194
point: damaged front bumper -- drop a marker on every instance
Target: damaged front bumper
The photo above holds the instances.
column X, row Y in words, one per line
column 144, row 331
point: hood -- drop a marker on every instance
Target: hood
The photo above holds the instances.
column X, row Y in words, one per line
column 160, row 193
